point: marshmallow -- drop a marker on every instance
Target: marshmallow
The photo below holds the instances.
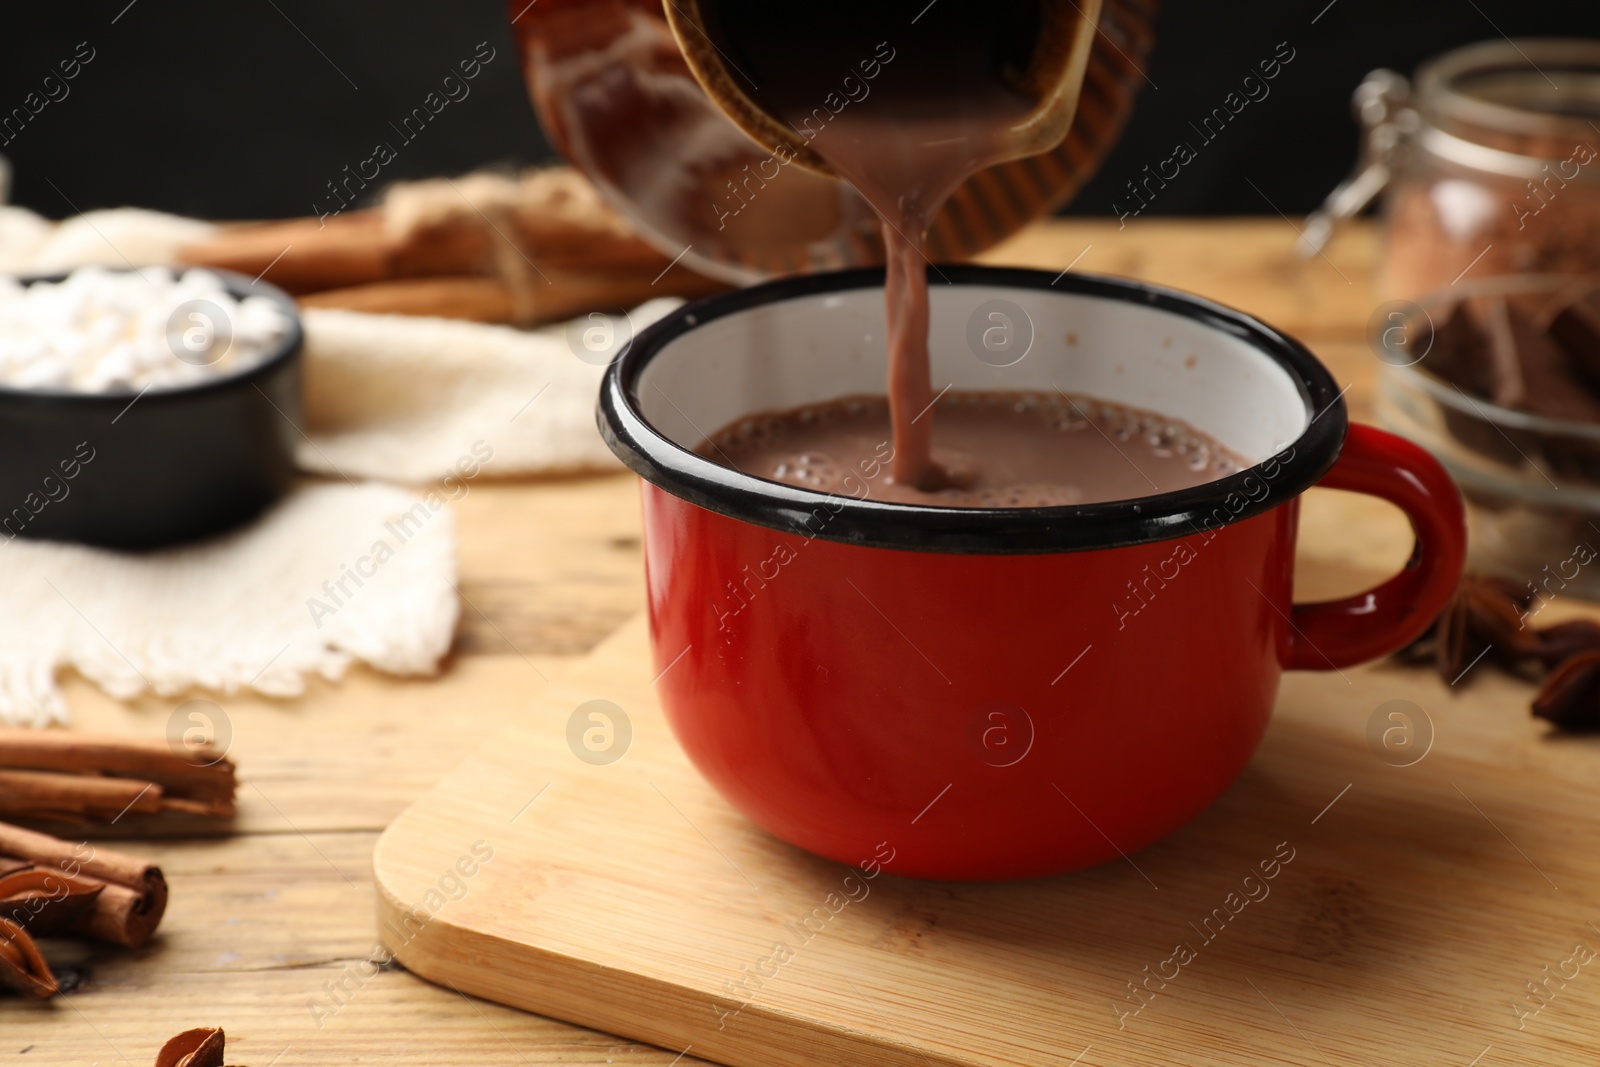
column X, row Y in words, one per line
column 102, row 330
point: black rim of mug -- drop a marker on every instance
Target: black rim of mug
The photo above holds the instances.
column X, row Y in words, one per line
column 985, row 531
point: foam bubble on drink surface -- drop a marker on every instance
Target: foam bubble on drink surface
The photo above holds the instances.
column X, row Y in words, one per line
column 105, row 331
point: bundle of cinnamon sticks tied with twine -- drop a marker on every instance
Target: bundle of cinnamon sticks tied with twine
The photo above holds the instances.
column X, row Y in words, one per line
column 519, row 250
column 51, row 887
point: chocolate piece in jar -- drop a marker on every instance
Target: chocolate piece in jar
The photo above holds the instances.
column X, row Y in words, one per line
column 1520, row 355
column 1503, row 349
column 1530, row 370
column 1458, row 352
column 1576, row 325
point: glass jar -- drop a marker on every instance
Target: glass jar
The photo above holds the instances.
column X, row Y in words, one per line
column 1490, row 165
column 1531, row 482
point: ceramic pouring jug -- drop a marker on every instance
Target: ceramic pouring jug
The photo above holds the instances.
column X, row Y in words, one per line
column 618, row 97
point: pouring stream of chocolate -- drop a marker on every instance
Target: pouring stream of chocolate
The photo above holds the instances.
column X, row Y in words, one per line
column 905, row 104
column 906, row 169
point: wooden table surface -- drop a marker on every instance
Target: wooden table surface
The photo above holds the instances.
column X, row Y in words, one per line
column 271, row 930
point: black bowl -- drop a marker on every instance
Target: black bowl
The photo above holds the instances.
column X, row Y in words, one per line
column 132, row 471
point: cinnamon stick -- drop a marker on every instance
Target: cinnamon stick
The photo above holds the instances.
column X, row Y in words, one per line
column 37, row 794
column 124, row 915
column 349, row 249
column 79, row 777
column 202, row 774
column 80, row 798
column 559, row 243
column 491, row 300
column 431, row 229
column 474, row 299
column 130, row 907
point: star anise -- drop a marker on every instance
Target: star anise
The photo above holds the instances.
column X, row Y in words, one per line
column 1564, row 640
column 46, row 902
column 202, row 1047
column 1570, row 697
column 22, row 968
column 1487, row 619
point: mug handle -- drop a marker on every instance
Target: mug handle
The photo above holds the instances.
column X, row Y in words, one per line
column 1340, row 633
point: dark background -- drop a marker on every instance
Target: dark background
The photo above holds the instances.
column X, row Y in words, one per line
column 246, row 110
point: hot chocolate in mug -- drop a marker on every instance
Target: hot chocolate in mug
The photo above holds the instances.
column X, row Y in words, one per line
column 996, row 693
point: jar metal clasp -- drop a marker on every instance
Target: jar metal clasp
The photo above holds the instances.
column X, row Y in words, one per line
column 1382, row 104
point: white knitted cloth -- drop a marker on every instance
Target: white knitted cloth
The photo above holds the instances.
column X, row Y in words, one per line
column 332, row 574
column 117, row 237
column 387, row 396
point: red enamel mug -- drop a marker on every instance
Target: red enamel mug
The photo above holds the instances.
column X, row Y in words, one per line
column 996, row 693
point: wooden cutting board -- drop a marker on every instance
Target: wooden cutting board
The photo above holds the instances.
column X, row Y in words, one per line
column 1410, row 907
